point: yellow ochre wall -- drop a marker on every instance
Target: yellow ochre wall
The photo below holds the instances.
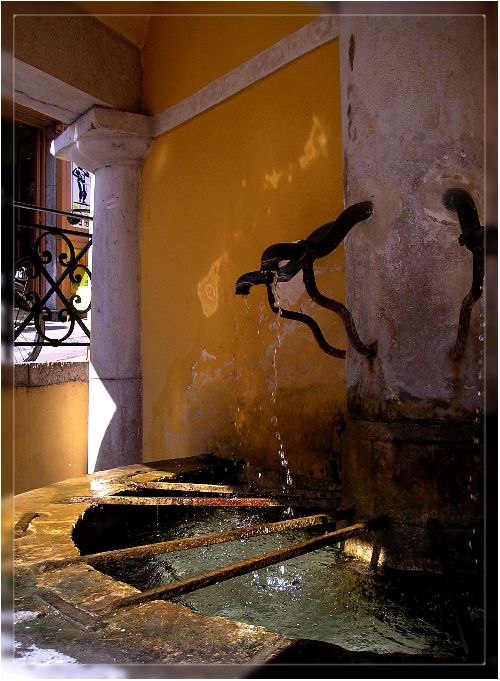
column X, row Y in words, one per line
column 222, row 373
column 50, row 434
column 185, row 53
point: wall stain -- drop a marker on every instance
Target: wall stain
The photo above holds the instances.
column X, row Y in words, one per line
column 346, row 173
column 208, row 289
column 349, row 121
column 352, row 48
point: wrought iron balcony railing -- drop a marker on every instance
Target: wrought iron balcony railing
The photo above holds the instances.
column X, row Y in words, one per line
column 50, row 267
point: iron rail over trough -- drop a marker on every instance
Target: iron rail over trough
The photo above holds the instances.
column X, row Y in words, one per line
column 226, row 489
column 190, row 584
column 174, row 545
column 122, row 500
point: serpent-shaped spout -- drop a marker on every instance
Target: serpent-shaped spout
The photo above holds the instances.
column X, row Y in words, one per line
column 300, row 255
column 249, row 279
column 472, row 237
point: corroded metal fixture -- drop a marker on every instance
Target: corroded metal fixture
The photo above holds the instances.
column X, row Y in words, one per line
column 233, row 490
column 472, row 237
column 301, row 256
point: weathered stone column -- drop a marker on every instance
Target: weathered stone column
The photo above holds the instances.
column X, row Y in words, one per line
column 412, row 112
column 112, row 145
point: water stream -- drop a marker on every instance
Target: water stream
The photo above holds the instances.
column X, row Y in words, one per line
column 274, row 419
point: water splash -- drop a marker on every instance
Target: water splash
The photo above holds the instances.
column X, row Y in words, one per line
column 262, row 316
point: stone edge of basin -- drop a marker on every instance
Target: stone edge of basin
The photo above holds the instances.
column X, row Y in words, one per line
column 44, row 519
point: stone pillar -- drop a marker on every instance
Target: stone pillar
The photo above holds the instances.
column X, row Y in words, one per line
column 412, row 115
column 112, row 145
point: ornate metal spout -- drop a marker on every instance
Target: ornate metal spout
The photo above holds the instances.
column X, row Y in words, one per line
column 326, row 238
column 301, row 255
column 305, row 319
column 246, row 281
column 472, row 237
column 276, row 253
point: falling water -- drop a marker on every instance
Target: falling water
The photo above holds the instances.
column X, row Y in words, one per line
column 477, row 440
column 157, row 533
column 247, row 307
column 274, row 418
column 262, row 316
column 240, row 333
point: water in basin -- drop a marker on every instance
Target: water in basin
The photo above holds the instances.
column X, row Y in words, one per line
column 323, row 595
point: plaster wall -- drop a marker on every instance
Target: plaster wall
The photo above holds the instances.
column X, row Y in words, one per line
column 221, row 373
column 50, row 423
column 81, row 52
column 179, row 56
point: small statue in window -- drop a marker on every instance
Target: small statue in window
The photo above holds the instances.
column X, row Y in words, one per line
column 81, row 176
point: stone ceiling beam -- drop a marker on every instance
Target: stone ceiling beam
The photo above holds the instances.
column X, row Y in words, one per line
column 82, row 53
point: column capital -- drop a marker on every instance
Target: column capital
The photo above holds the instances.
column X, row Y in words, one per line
column 105, row 137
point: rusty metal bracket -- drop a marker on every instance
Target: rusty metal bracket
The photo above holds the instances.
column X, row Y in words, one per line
column 472, row 237
column 301, row 256
column 340, row 309
column 22, row 525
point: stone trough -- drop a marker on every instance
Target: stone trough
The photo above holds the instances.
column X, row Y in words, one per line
column 60, row 609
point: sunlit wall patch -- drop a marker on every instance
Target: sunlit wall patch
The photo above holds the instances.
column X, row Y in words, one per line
column 208, row 289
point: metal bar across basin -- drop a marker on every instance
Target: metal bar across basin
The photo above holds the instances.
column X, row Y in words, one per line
column 190, row 584
column 226, row 489
column 147, row 550
column 119, row 500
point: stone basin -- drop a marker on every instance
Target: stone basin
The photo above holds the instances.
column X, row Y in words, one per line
column 57, row 610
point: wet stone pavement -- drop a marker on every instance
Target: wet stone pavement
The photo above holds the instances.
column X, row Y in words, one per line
column 55, row 610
